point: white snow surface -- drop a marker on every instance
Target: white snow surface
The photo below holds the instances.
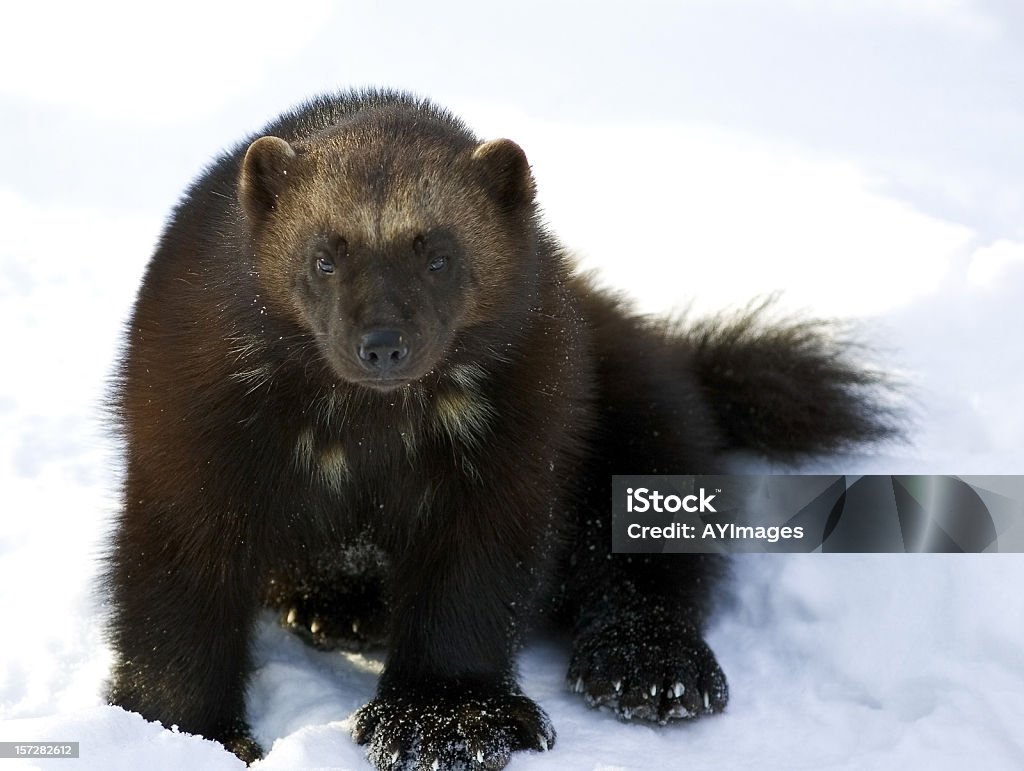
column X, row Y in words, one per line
column 863, row 157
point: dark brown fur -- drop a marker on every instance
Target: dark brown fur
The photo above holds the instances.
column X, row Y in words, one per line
column 362, row 385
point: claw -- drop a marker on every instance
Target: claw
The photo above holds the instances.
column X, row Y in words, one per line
column 617, row 685
column 292, row 617
column 541, row 740
column 678, row 690
column 314, row 627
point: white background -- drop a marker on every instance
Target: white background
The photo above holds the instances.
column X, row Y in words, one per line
column 863, row 157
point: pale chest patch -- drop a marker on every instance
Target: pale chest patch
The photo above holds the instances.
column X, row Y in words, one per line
column 465, row 416
column 326, row 462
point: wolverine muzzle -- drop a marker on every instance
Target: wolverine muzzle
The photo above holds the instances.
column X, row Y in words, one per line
column 383, row 351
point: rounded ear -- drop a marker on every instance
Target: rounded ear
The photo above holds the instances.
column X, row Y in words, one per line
column 264, row 173
column 506, row 172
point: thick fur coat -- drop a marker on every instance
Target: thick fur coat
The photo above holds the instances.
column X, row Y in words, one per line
column 363, row 385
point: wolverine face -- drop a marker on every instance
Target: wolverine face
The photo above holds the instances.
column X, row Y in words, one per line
column 384, row 314
column 385, row 241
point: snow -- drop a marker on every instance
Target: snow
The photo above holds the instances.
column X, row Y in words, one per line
column 864, row 157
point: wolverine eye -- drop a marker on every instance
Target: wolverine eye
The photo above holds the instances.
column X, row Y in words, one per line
column 436, row 248
column 325, row 264
column 330, row 248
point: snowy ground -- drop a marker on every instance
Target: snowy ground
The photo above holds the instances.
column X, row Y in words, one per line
column 863, row 157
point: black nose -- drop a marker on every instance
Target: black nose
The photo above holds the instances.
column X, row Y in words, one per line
column 383, row 350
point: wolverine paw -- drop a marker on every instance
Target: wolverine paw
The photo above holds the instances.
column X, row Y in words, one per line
column 241, row 743
column 450, row 729
column 354, row 623
column 330, row 633
column 643, row 672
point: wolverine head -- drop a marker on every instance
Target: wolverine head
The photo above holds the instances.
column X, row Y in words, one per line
column 387, row 235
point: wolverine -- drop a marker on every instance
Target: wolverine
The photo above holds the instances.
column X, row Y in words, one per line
column 363, row 385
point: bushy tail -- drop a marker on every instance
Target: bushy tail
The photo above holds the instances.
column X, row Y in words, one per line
column 786, row 388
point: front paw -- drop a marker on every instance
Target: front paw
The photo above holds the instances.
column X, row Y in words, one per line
column 239, row 741
column 450, row 728
column 658, row 671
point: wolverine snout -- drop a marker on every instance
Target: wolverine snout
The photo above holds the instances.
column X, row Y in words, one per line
column 383, row 351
